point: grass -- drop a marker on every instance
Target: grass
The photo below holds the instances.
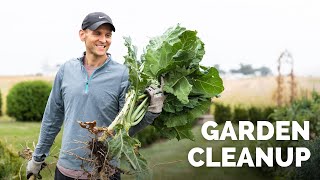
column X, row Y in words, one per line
column 18, row 135
column 260, row 91
column 167, row 159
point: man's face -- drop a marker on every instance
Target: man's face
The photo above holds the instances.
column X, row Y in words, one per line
column 98, row 41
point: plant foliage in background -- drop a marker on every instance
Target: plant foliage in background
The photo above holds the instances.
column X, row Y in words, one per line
column 26, row 101
column 222, row 113
column 9, row 163
column 309, row 169
column 240, row 113
column 304, row 109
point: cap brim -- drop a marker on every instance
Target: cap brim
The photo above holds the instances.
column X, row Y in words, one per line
column 97, row 24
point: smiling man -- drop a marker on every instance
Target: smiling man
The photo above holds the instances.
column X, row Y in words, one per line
column 91, row 87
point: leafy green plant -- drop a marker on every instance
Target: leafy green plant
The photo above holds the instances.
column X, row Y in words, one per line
column 255, row 114
column 172, row 58
column 267, row 111
column 26, row 101
column 240, row 113
column 309, row 169
column 300, row 110
column 276, row 170
column 9, row 163
column 222, row 113
column 303, row 109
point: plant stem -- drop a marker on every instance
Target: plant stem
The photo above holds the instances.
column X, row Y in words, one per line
column 141, row 117
column 142, row 96
column 122, row 114
column 139, row 108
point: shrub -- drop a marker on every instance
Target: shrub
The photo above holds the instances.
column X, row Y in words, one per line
column 9, row 164
column 240, row 113
column 277, row 172
column 301, row 110
column 222, row 113
column 26, row 101
column 0, row 104
column 255, row 114
column 267, row 112
column 310, row 169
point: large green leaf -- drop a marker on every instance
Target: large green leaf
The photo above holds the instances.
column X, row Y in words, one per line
column 184, row 132
column 177, row 47
column 123, row 147
column 178, row 125
column 177, row 84
column 209, row 84
column 186, row 116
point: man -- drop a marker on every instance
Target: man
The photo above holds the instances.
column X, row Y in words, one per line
column 91, row 87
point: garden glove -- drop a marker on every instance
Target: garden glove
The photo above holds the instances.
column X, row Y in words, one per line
column 34, row 167
column 156, row 98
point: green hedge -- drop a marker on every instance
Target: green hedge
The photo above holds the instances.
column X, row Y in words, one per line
column 309, row 169
column 10, row 164
column 267, row 113
column 222, row 113
column 26, row 101
column 240, row 113
column 255, row 114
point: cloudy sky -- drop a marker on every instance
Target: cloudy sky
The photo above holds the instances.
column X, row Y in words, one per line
column 36, row 33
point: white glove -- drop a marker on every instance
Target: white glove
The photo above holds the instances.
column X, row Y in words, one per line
column 33, row 168
column 156, row 97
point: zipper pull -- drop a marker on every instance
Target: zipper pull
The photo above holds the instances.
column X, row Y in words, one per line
column 87, row 87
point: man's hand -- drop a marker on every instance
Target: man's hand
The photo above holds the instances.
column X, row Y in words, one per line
column 156, row 98
column 34, row 167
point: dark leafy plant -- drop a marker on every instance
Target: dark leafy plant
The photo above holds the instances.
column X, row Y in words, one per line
column 9, row 164
column 267, row 112
column 255, row 114
column 301, row 110
column 240, row 113
column 222, row 113
column 309, row 169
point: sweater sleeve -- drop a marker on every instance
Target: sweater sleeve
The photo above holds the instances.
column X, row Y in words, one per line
column 52, row 119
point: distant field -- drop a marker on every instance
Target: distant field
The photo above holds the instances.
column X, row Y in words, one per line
column 259, row 90
column 247, row 91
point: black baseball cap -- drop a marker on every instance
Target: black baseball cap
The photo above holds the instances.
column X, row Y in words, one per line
column 93, row 20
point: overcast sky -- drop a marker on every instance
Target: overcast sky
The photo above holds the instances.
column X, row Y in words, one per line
column 34, row 33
